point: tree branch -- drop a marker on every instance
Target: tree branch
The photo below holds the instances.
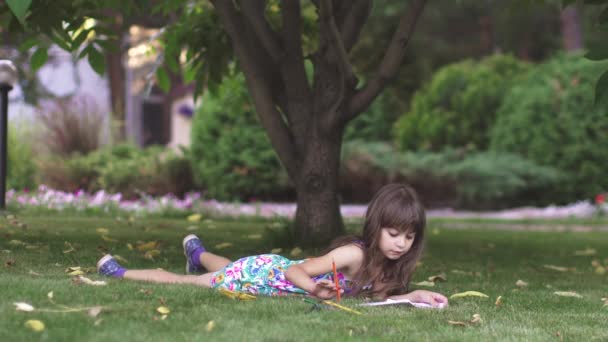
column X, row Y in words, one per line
column 254, row 12
column 259, row 84
column 294, row 73
column 353, row 23
column 390, row 63
column 330, row 31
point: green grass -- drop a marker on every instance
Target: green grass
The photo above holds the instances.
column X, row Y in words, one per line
column 487, row 260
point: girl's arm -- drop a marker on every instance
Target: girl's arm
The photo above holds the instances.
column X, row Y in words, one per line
column 347, row 257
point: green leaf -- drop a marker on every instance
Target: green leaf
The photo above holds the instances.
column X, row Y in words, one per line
column 39, row 58
column 19, row 8
column 96, row 60
column 163, row 79
column 601, row 89
column 28, row 44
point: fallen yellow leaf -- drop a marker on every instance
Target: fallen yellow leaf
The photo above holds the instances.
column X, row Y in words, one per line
column 194, row 217
column 50, row 295
column 76, row 273
column 558, row 268
column 498, row 301
column 102, row 231
column 108, row 239
column 151, row 254
column 130, row 246
column 223, row 245
column 425, row 283
column 605, row 300
column 521, row 283
column 568, row 294
column 476, row 319
column 88, row 281
column 210, row 326
column 163, row 310
column 255, row 236
column 70, row 248
column 147, row 246
column 21, row 306
column 439, row 277
column 276, row 250
column 34, row 324
column 120, row 259
column 600, row 270
column 586, row 252
column 469, row 294
column 16, row 243
column 94, row 311
column 458, row 323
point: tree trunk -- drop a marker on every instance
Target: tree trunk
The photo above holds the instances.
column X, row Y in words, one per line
column 318, row 217
column 572, row 35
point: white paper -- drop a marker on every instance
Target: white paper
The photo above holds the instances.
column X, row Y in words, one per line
column 403, row 301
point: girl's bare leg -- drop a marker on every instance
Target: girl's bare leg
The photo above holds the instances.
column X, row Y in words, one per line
column 164, row 277
column 213, row 262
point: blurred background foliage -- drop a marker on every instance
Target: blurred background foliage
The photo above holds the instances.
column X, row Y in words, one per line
column 492, row 108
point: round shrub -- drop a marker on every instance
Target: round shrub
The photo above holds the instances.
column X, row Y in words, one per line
column 230, row 152
column 550, row 118
column 458, row 107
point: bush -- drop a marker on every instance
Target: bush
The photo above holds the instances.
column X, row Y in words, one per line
column 231, row 154
column 476, row 180
column 20, row 168
column 458, row 107
column 550, row 118
column 122, row 168
column 71, row 125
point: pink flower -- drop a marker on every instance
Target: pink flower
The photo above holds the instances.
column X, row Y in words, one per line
column 600, row 199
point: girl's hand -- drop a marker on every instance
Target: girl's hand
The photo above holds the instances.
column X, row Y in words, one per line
column 424, row 296
column 324, row 289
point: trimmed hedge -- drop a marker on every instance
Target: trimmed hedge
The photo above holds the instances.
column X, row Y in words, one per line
column 457, row 108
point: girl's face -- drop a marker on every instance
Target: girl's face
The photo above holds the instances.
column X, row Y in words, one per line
column 394, row 243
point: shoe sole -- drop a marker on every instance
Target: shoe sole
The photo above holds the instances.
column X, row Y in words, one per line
column 184, row 241
column 103, row 261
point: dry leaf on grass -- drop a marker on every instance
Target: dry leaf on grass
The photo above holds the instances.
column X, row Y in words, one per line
column 163, row 310
column 605, row 300
column 469, row 294
column 151, row 254
column 120, row 259
column 498, row 301
column 458, row 323
column 476, row 319
column 194, row 217
column 439, row 277
column 34, row 325
column 74, row 271
column 147, row 246
column 255, row 236
column 276, row 250
column 295, row 252
column 94, row 311
column 210, row 326
column 108, row 239
column 16, row 243
column 586, row 252
column 521, row 283
column 559, row 268
column 568, row 294
column 425, row 283
column 49, row 295
column 70, row 248
column 84, row 280
column 21, row 306
column 102, row 231
column 223, row 245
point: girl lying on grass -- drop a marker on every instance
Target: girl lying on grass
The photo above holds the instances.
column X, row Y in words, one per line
column 379, row 263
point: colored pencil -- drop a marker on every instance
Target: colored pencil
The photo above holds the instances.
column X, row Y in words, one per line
column 333, row 263
column 344, row 308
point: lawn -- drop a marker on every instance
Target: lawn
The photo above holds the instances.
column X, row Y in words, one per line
column 37, row 249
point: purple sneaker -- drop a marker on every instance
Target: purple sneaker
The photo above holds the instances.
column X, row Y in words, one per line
column 108, row 266
column 193, row 247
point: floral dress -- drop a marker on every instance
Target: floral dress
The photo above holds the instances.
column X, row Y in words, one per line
column 265, row 275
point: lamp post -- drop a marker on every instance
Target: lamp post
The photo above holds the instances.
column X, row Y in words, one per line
column 8, row 77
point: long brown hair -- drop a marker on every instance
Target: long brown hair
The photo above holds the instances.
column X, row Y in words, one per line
column 393, row 206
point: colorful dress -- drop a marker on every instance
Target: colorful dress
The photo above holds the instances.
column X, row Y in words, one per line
column 265, row 275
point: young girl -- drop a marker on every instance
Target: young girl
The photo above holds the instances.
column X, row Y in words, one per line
column 379, row 263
